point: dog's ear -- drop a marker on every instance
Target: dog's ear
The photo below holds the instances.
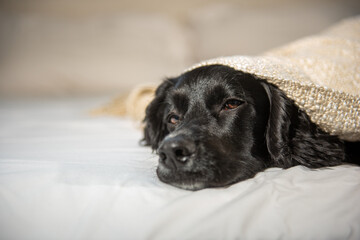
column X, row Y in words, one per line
column 278, row 127
column 155, row 130
column 292, row 138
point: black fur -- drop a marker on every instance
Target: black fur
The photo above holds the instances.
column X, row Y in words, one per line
column 214, row 126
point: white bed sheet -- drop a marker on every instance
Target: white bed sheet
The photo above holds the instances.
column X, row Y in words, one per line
column 67, row 175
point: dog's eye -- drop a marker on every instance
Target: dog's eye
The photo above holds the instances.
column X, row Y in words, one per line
column 174, row 119
column 231, row 104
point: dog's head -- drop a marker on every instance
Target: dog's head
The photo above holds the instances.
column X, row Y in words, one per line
column 214, row 126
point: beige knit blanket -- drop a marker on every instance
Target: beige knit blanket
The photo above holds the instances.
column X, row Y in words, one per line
column 320, row 73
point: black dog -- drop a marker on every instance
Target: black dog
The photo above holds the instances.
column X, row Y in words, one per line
column 214, row 126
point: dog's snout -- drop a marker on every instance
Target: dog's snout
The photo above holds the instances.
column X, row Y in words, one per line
column 176, row 151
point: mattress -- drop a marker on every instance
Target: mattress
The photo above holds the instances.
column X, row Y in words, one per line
column 65, row 174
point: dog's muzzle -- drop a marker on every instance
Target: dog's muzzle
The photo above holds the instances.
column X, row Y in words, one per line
column 177, row 152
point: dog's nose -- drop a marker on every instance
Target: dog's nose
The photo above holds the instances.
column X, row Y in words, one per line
column 174, row 152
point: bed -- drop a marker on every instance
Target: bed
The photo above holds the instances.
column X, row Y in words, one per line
column 66, row 174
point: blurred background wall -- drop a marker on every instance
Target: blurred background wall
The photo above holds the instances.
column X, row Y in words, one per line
column 98, row 47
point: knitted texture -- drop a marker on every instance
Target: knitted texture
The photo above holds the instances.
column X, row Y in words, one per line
column 320, row 73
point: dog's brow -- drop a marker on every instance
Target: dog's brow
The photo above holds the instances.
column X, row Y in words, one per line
column 216, row 95
column 181, row 101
